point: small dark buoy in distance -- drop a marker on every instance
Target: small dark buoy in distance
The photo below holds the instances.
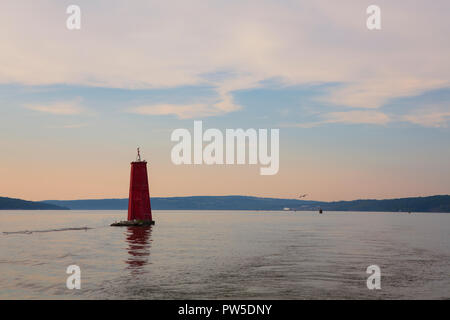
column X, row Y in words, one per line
column 320, row 211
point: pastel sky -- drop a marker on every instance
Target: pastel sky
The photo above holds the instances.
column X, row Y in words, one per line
column 362, row 114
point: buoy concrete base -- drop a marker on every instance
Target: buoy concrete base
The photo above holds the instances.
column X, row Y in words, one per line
column 133, row 223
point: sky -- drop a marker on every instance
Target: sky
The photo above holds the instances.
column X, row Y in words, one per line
column 362, row 113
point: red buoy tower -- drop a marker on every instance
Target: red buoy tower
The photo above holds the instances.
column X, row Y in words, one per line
column 139, row 208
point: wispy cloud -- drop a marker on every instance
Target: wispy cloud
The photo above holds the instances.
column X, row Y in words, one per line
column 181, row 111
column 66, row 108
column 187, row 111
column 299, row 43
column 425, row 117
column 432, row 119
column 70, row 126
column 223, row 104
column 357, row 116
column 346, row 117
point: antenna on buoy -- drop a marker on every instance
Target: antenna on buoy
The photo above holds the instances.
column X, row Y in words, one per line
column 138, row 157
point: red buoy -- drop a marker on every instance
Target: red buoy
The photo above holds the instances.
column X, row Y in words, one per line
column 139, row 207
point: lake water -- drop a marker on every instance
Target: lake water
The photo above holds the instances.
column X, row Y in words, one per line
column 226, row 255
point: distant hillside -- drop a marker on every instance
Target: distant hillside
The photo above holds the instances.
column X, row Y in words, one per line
column 417, row 204
column 18, row 204
column 189, row 203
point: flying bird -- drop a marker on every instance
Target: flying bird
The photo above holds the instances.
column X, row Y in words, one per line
column 302, row 195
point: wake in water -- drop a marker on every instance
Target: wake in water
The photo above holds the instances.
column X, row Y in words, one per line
column 49, row 230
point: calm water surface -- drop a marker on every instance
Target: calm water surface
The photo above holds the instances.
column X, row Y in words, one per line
column 226, row 255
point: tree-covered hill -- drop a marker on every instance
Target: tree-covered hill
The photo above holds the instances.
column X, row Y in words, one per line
column 18, row 204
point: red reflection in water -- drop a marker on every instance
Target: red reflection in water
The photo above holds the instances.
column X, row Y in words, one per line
column 138, row 239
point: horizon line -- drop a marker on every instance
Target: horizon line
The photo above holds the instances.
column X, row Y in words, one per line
column 234, row 195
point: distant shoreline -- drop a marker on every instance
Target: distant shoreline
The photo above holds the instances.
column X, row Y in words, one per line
column 438, row 203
